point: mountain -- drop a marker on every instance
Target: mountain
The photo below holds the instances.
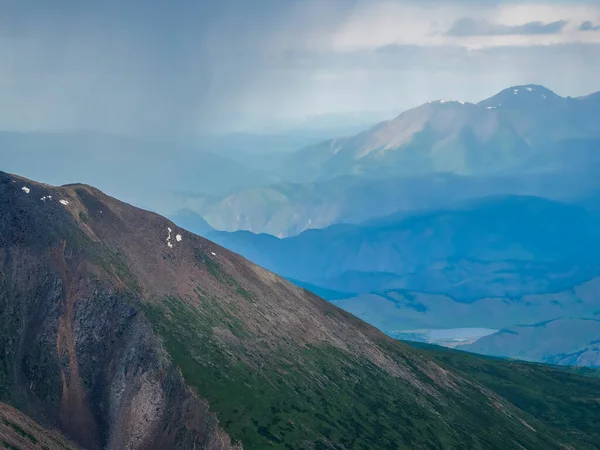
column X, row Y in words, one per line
column 587, row 356
column 496, row 135
column 492, row 263
column 525, row 140
column 561, row 341
column 496, row 246
column 125, row 331
column 287, row 209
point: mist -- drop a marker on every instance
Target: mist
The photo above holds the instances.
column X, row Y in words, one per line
column 187, row 69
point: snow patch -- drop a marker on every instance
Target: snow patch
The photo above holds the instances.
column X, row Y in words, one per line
column 491, row 107
column 213, row 253
column 169, row 244
column 64, row 202
column 530, row 89
column 26, row 189
column 443, row 101
column 178, row 237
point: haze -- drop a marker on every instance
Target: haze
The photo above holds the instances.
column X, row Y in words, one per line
column 184, row 69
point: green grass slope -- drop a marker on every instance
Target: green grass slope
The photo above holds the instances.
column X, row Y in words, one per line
column 564, row 398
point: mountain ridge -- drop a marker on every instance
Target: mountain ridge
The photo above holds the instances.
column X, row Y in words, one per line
column 126, row 331
column 452, row 136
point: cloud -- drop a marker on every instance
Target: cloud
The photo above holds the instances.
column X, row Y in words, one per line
column 589, row 26
column 146, row 69
column 473, row 27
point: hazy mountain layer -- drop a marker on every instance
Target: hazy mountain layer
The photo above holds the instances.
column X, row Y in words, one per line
column 498, row 246
column 525, row 140
column 562, row 341
column 498, row 134
column 400, row 310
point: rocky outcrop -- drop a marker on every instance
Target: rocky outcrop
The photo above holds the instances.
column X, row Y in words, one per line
column 76, row 351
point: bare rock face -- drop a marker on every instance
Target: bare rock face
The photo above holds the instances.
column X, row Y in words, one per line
column 77, row 352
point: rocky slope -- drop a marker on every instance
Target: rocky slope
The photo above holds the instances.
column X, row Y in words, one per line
column 125, row 331
column 18, row 431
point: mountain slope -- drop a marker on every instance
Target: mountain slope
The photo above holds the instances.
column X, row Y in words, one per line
column 127, row 332
column 548, row 392
column 525, row 140
column 498, row 134
column 18, row 431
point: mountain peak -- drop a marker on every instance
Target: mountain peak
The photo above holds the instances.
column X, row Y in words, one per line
column 450, row 102
column 521, row 95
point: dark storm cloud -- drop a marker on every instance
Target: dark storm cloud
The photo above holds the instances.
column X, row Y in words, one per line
column 472, row 27
column 169, row 69
column 140, row 67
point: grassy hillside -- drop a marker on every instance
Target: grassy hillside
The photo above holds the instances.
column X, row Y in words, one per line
column 563, row 398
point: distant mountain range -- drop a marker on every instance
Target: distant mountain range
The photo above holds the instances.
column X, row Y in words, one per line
column 524, row 140
column 123, row 330
column 495, row 262
column 504, row 245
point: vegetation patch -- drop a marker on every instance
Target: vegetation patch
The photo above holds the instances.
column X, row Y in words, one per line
column 215, row 269
column 20, row 431
column 563, row 398
column 319, row 396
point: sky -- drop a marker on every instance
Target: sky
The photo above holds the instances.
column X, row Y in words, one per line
column 180, row 69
